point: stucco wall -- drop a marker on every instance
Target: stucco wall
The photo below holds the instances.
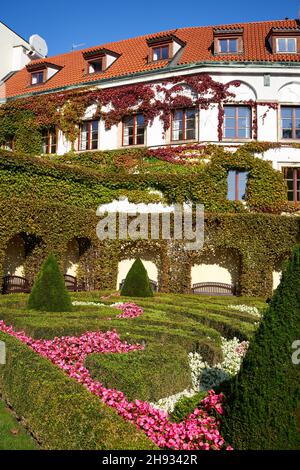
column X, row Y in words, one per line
column 210, row 273
column 11, row 59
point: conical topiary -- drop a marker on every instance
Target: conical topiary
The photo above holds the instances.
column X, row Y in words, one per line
column 264, row 399
column 137, row 283
column 49, row 292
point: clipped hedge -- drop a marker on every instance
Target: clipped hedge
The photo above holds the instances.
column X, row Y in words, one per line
column 151, row 374
column 60, row 413
column 264, row 398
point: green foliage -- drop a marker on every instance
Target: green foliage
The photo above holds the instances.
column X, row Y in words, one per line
column 13, row 436
column 151, row 374
column 89, row 179
column 49, row 292
column 186, row 405
column 137, row 282
column 264, row 400
column 61, row 413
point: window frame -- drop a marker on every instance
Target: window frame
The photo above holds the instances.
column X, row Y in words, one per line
column 184, row 128
column 89, row 132
column 295, row 191
column 160, row 46
column 236, row 184
column 49, row 141
column 37, row 72
column 96, row 59
column 293, row 138
column 228, row 39
column 236, row 119
column 286, row 38
column 135, row 126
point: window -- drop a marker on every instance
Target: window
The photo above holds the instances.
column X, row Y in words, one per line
column 95, row 66
column 287, row 45
column 134, row 130
column 88, row 136
column 290, row 122
column 49, row 141
column 160, row 52
column 184, row 124
column 292, row 177
column 237, row 122
column 227, row 46
column 236, row 184
column 37, row 77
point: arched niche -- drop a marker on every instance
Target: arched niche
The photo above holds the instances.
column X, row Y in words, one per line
column 125, row 265
column 289, row 93
column 216, row 265
column 14, row 258
column 244, row 92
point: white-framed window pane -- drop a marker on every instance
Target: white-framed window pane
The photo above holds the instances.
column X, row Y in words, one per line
column 291, row 45
column 232, row 45
column 84, row 136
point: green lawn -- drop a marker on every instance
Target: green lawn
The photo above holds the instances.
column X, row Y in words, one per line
column 170, row 327
column 12, row 435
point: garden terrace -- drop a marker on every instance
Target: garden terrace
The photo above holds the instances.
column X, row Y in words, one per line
column 170, row 327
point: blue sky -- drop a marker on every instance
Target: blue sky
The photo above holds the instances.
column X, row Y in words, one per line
column 92, row 22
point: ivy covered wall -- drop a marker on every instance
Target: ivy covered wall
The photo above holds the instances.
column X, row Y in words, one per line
column 259, row 243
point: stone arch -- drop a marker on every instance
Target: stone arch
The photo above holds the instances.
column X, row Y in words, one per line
column 125, row 264
column 218, row 264
column 289, row 92
column 245, row 92
column 23, row 255
column 151, row 256
column 14, row 257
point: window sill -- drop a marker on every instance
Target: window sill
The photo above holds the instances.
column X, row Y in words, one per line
column 181, row 142
column 238, row 140
column 133, row 146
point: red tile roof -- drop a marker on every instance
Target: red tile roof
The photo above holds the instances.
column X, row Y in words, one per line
column 133, row 55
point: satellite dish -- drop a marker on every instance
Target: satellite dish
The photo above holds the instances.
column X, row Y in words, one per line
column 38, row 45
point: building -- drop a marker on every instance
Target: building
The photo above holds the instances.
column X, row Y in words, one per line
column 14, row 51
column 264, row 57
column 250, row 93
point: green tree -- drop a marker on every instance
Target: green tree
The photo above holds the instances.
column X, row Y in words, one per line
column 264, row 399
column 137, row 283
column 49, row 293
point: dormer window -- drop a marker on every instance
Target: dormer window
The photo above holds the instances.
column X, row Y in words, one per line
column 98, row 60
column 163, row 47
column 41, row 72
column 228, row 46
column 284, row 40
column 95, row 65
column 160, row 52
column 286, row 45
column 228, row 41
column 37, row 77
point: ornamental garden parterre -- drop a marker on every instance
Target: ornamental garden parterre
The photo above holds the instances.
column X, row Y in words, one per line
column 138, row 343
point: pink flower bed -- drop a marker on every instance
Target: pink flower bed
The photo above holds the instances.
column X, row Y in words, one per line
column 129, row 310
column 199, row 431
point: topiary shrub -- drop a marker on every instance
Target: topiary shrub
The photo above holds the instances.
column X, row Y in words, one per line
column 264, row 399
column 137, row 283
column 49, row 293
